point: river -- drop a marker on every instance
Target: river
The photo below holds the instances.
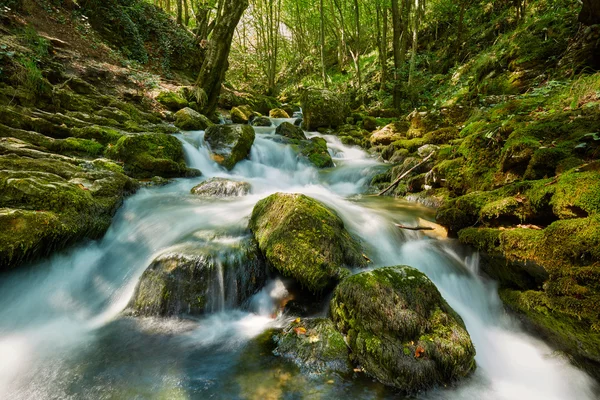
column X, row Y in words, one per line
column 63, row 334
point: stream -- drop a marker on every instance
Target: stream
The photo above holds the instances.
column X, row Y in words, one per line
column 63, row 334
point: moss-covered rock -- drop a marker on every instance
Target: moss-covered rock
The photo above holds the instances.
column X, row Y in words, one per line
column 241, row 114
column 229, row 144
column 189, row 120
column 400, row 329
column 221, row 187
column 305, row 240
column 314, row 345
column 290, row 131
column 186, row 279
column 369, row 123
column 278, row 113
column 151, row 154
column 389, row 133
column 262, row 121
column 323, row 109
column 315, row 151
column 172, row 100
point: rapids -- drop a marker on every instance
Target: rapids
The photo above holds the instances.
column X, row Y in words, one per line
column 63, row 334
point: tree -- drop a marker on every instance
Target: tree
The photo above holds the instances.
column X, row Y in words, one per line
column 216, row 61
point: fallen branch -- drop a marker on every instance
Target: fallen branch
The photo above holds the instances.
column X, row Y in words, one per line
column 397, row 181
column 415, row 228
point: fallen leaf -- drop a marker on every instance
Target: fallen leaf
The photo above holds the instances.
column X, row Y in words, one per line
column 297, row 320
column 419, row 352
column 300, row 331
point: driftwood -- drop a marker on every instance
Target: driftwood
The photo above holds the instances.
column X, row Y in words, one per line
column 397, row 181
column 415, row 228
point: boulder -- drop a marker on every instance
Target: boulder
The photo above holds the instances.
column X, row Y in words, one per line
column 241, row 114
column 171, row 100
column 389, row 133
column 323, row 108
column 315, row 151
column 221, row 187
column 303, row 239
column 278, row 113
column 401, row 330
column 369, row 123
column 151, row 154
column 229, row 144
column 187, row 280
column 290, row 131
column 314, row 345
column 262, row 121
column 189, row 120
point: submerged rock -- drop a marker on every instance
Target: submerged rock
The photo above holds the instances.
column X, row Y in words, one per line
column 221, row 187
column 188, row 280
column 151, row 154
column 305, row 240
column 323, row 108
column 315, row 151
column 401, row 330
column 290, row 131
column 189, row 120
column 262, row 121
column 229, row 144
column 314, row 345
column 278, row 113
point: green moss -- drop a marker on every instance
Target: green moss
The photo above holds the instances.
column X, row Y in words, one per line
column 410, row 144
column 101, row 134
column 172, row 100
column 229, row 144
column 315, row 151
column 278, row 113
column 77, row 146
column 241, row 114
column 189, row 120
column 305, row 240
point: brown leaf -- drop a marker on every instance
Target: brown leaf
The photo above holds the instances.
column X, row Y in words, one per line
column 419, row 352
column 300, row 331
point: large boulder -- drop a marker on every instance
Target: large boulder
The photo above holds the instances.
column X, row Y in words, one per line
column 229, row 144
column 221, row 187
column 173, row 101
column 241, row 114
column 401, row 330
column 315, row 151
column 188, row 280
column 151, row 154
column 189, row 120
column 303, row 239
column 262, row 121
column 278, row 113
column 290, row 131
column 323, row 108
column 314, row 345
column 389, row 134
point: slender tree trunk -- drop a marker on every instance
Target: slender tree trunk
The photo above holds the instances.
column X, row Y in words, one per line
column 461, row 25
column 186, row 13
column 382, row 14
column 322, row 29
column 415, row 42
column 215, row 64
column 179, row 12
column 357, row 49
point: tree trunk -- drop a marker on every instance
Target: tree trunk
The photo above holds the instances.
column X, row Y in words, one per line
column 323, row 73
column 590, row 12
column 186, row 13
column 400, row 26
column 415, row 42
column 179, row 12
column 215, row 64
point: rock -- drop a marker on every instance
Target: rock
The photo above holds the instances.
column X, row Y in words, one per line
column 400, row 329
column 298, row 122
column 220, row 187
column 171, row 100
column 305, row 240
column 151, row 154
column 229, row 144
column 315, row 151
column 189, row 120
column 290, row 131
column 369, row 123
column 47, row 202
column 261, row 121
column 323, row 108
column 278, row 113
column 241, row 114
column 186, row 279
column 389, row 133
column 314, row 345
column 427, row 149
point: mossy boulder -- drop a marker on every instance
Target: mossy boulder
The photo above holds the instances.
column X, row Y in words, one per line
column 315, row 151
column 369, row 123
column 290, row 131
column 189, row 120
column 314, row 345
column 221, row 187
column 262, row 121
column 173, row 101
column 389, row 133
column 186, row 279
column 323, row 109
column 401, row 330
column 303, row 239
column 278, row 113
column 151, row 154
column 241, row 114
column 229, row 144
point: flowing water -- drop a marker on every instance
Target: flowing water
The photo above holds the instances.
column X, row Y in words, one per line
column 63, row 333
